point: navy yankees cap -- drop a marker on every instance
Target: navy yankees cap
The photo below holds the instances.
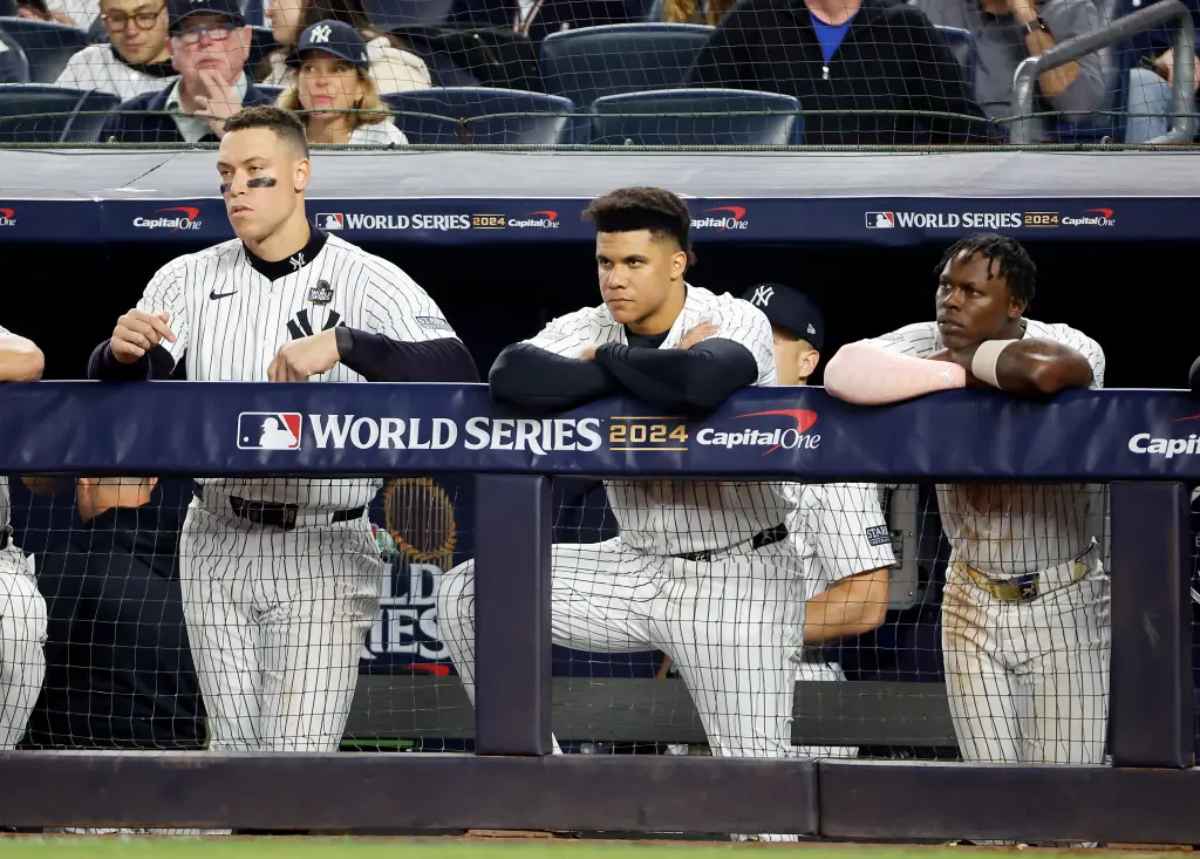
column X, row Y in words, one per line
column 789, row 309
column 178, row 10
column 333, row 37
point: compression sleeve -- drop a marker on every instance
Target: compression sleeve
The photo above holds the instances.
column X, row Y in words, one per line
column 533, row 378
column 155, row 364
column 696, row 379
column 867, row 375
column 379, row 358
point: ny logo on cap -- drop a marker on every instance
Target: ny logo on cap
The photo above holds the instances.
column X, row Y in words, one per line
column 811, row 330
column 762, row 295
column 321, row 34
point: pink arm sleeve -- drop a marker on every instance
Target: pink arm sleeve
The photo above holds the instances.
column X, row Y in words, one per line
column 867, row 375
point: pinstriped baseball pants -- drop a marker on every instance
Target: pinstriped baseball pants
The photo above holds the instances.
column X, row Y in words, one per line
column 22, row 636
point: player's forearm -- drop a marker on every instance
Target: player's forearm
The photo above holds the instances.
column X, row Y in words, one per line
column 103, row 365
column 535, row 379
column 696, row 379
column 20, row 360
column 1034, row 367
column 378, row 358
column 868, row 375
column 852, row 606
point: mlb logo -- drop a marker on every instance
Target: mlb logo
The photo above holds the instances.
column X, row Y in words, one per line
column 881, row 220
column 268, row 431
column 331, row 221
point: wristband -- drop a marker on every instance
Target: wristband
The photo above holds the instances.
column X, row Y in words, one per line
column 987, row 356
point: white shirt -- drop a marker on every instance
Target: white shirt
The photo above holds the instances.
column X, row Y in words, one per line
column 839, row 531
column 83, row 12
column 193, row 129
column 669, row 517
column 231, row 320
column 1008, row 529
column 378, row 134
column 98, row 67
column 5, row 502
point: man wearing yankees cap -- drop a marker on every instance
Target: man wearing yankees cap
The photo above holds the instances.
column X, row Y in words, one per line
column 839, row 530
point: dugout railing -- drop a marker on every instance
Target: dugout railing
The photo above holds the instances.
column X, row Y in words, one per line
column 1140, row 442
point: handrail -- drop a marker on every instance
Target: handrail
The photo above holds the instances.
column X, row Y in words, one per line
column 1183, row 126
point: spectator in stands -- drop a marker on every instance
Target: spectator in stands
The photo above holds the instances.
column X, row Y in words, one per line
column 34, row 10
column 74, row 13
column 393, row 69
column 690, row 11
column 209, row 45
column 844, row 56
column 119, row 672
column 334, row 86
column 1150, row 81
column 539, row 18
column 1009, row 31
column 136, row 61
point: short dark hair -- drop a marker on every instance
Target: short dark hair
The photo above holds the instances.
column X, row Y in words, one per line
column 1011, row 261
column 653, row 209
column 286, row 125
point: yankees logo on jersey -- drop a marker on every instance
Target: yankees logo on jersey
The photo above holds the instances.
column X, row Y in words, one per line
column 231, row 312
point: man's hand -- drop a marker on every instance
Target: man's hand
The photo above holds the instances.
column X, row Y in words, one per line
column 962, row 359
column 137, row 333
column 308, row 356
column 1165, row 66
column 217, row 101
column 588, row 352
column 701, row 332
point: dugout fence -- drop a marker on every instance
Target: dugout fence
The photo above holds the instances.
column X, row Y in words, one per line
column 1136, row 442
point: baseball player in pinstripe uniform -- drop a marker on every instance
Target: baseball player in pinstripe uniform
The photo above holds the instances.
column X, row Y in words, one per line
column 1025, row 612
column 700, row 570
column 22, row 609
column 279, row 576
column 841, row 535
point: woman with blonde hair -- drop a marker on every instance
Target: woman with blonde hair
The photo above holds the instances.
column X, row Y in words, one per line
column 690, row 11
column 334, row 92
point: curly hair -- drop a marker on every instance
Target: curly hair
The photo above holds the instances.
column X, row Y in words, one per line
column 642, row 208
column 684, row 11
column 1006, row 257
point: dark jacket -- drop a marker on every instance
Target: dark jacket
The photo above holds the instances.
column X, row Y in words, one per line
column 119, row 672
column 891, row 59
column 159, row 128
column 550, row 17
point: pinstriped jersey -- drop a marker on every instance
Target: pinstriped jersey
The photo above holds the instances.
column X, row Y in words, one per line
column 669, row 517
column 1008, row 529
column 5, row 502
column 230, row 320
column 839, row 531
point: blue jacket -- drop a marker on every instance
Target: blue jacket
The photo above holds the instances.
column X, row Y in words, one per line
column 159, row 128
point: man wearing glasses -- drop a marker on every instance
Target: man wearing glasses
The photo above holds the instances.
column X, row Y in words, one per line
column 135, row 61
column 208, row 45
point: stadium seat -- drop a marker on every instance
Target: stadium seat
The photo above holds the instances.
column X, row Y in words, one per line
column 47, row 45
column 14, row 68
column 387, row 15
column 591, row 62
column 483, row 115
column 638, row 118
column 20, row 105
column 962, row 44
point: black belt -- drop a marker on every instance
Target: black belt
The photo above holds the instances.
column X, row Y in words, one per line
column 278, row 515
column 5, row 536
column 762, row 538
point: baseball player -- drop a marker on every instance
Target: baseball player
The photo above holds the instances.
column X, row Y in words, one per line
column 22, row 609
column 841, row 536
column 1025, row 612
column 700, row 570
column 279, row 576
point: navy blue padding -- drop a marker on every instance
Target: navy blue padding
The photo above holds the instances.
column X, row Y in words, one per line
column 47, row 45
column 962, row 44
column 668, row 118
column 484, row 115
column 591, row 62
column 14, row 68
column 19, row 103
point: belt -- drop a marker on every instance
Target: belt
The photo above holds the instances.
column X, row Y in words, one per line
column 762, row 538
column 278, row 515
column 1021, row 588
column 5, row 536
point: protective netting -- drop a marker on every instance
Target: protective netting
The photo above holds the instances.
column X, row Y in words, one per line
column 965, row 621
column 581, row 72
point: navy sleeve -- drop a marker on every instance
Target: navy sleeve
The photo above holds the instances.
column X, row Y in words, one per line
column 155, row 364
column 379, row 358
column 538, row 380
column 692, row 380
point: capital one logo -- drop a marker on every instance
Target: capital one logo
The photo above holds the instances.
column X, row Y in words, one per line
column 171, row 218
column 8, row 217
column 793, row 437
column 321, row 34
column 268, row 431
column 723, row 218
